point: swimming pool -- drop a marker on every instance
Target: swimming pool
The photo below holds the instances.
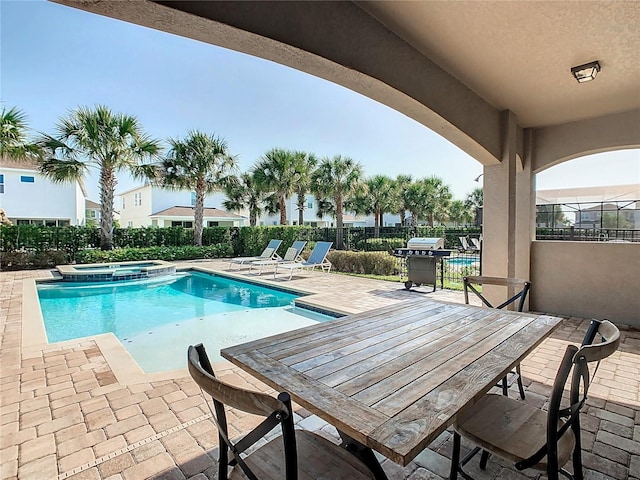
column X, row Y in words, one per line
column 157, row 319
column 463, row 261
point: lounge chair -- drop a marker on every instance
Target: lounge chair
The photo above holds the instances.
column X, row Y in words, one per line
column 318, row 258
column 269, row 253
column 291, row 256
column 476, row 243
column 465, row 244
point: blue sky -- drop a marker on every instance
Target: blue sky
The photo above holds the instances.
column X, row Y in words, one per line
column 55, row 58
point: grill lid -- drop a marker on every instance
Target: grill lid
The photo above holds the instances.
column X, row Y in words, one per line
column 425, row 243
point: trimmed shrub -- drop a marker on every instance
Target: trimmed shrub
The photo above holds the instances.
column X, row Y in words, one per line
column 23, row 260
column 368, row 263
column 380, row 244
column 155, row 253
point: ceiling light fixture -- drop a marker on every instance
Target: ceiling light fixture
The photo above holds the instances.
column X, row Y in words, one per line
column 587, row 72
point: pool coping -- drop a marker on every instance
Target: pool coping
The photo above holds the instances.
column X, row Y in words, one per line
column 122, row 364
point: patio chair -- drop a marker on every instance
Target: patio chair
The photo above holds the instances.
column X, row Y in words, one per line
column 292, row 255
column 476, row 244
column 522, row 287
column 269, row 253
column 318, row 258
column 526, row 435
column 293, row 454
column 465, row 244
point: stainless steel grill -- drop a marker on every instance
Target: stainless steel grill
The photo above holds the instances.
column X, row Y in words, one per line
column 425, row 243
column 421, row 256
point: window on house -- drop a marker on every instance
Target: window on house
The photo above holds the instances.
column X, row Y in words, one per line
column 213, row 224
column 137, row 199
column 50, row 223
column 310, row 203
column 182, row 224
column 193, row 199
column 1, row 183
column 154, row 223
column 27, row 179
column 23, row 222
column 129, row 224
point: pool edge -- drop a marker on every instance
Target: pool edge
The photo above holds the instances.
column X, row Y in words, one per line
column 34, row 340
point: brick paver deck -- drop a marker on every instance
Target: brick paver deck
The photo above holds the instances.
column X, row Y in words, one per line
column 63, row 413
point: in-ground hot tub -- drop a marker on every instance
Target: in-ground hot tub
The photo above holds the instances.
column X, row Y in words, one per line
column 108, row 272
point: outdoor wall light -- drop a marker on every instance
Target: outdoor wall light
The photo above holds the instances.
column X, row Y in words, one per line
column 586, row 72
column 477, row 179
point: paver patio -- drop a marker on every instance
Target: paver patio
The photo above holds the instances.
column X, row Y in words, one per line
column 64, row 414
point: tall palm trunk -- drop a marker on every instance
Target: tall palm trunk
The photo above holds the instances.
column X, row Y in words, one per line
column 108, row 184
column 376, row 225
column 403, row 217
column 253, row 217
column 301, row 202
column 339, row 224
column 198, row 219
column 283, row 210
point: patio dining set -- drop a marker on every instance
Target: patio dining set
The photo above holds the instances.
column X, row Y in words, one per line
column 393, row 379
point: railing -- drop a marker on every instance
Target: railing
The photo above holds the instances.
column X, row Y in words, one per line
column 574, row 234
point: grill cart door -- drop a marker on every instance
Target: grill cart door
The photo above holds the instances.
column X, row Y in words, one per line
column 421, row 269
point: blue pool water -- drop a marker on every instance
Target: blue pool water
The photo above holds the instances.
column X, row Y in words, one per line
column 157, row 319
column 463, row 261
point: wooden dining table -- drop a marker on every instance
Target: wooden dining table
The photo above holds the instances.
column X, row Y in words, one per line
column 394, row 378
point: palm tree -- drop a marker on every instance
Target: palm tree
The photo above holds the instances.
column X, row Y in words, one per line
column 437, row 198
column 401, row 184
column 381, row 198
column 475, row 201
column 305, row 163
column 337, row 180
column 98, row 138
column 277, row 172
column 201, row 163
column 13, row 135
column 415, row 200
column 244, row 192
column 459, row 213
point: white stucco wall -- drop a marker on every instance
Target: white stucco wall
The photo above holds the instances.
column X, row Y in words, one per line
column 586, row 279
column 41, row 199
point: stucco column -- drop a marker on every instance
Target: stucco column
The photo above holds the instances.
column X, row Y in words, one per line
column 509, row 209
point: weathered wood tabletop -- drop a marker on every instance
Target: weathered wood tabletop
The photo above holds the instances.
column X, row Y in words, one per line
column 394, row 378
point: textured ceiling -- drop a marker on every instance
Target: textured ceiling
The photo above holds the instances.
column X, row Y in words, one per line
column 518, row 55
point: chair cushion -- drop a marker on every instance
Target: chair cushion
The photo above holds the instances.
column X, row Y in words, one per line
column 511, row 429
column 318, row 458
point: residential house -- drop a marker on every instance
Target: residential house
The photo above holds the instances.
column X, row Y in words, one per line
column 93, row 212
column 27, row 197
column 152, row 206
column 310, row 216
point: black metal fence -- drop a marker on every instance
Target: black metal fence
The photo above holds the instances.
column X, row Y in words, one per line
column 594, row 234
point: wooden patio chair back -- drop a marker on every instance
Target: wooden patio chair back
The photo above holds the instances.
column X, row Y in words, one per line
column 518, row 289
column 511, row 429
column 317, row 455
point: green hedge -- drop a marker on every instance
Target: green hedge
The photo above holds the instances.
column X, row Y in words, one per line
column 154, row 253
column 367, row 263
column 24, row 260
